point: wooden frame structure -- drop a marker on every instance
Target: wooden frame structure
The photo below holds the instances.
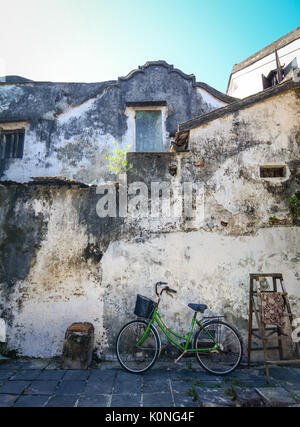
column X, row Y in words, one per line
column 264, row 332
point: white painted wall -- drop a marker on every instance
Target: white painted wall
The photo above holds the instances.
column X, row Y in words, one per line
column 210, row 100
column 248, row 80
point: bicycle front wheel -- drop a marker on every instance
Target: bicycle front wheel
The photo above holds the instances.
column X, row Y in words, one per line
column 230, row 347
column 137, row 358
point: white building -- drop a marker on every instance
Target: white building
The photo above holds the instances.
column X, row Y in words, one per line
column 259, row 71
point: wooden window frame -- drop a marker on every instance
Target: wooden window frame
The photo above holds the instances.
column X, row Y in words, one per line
column 12, row 143
column 272, row 171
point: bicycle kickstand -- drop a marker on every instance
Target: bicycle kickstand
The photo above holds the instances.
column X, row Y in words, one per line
column 182, row 354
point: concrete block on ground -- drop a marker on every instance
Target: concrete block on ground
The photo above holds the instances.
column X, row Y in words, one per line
column 276, row 396
column 247, row 397
column 78, row 346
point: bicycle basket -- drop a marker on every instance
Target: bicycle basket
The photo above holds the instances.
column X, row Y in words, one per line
column 144, row 307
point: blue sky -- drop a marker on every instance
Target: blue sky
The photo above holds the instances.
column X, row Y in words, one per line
column 97, row 40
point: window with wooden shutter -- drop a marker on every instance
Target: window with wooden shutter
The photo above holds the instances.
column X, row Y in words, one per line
column 272, row 171
column 12, row 144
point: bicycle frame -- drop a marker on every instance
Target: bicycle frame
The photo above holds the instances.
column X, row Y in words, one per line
column 168, row 332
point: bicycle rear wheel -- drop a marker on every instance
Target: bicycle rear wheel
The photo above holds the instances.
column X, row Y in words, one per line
column 133, row 358
column 229, row 354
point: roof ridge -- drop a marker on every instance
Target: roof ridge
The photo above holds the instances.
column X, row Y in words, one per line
column 141, row 69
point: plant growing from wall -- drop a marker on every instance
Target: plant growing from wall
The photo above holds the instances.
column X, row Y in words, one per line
column 118, row 162
column 273, row 219
column 293, row 205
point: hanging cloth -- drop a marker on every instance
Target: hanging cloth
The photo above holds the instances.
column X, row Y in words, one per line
column 273, row 306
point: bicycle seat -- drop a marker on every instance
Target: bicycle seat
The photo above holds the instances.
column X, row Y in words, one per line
column 198, row 307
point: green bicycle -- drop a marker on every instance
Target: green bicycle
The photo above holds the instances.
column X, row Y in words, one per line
column 217, row 345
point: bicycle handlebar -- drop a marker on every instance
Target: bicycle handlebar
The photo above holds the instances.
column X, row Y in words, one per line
column 166, row 288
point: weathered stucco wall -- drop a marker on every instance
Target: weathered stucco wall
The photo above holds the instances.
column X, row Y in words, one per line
column 235, row 146
column 52, row 243
column 60, row 262
column 71, row 126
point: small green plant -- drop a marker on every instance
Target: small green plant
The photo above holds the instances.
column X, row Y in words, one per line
column 293, row 205
column 267, row 385
column 273, row 219
column 188, row 364
column 295, row 397
column 12, row 354
column 118, row 162
column 230, row 391
column 191, row 391
column 214, row 386
column 233, row 381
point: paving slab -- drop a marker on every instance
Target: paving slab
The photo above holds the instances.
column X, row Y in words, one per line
column 54, row 364
column 101, row 400
column 39, row 383
column 126, row 381
column 98, row 375
column 243, row 374
column 183, row 401
column 77, row 375
column 161, row 374
column 31, row 401
column 99, row 387
column 42, row 387
column 62, row 401
column 5, row 374
column 154, row 385
column 183, row 386
column 51, row 375
column 285, row 374
column 7, row 400
column 290, row 386
column 128, row 400
column 14, row 387
column 35, row 364
column 208, row 397
column 276, row 396
column 13, row 365
column 257, row 382
column 246, row 397
column 69, row 388
column 190, row 374
column 157, row 399
column 26, row 374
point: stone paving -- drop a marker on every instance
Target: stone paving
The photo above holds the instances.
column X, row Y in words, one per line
column 39, row 383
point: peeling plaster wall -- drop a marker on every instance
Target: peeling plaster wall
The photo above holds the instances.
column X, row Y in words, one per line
column 71, row 126
column 61, row 263
column 52, row 243
column 234, row 147
column 203, row 267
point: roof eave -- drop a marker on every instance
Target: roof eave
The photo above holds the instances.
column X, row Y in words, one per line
column 239, row 105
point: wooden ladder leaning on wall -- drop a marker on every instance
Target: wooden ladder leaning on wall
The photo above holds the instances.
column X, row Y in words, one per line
column 264, row 332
